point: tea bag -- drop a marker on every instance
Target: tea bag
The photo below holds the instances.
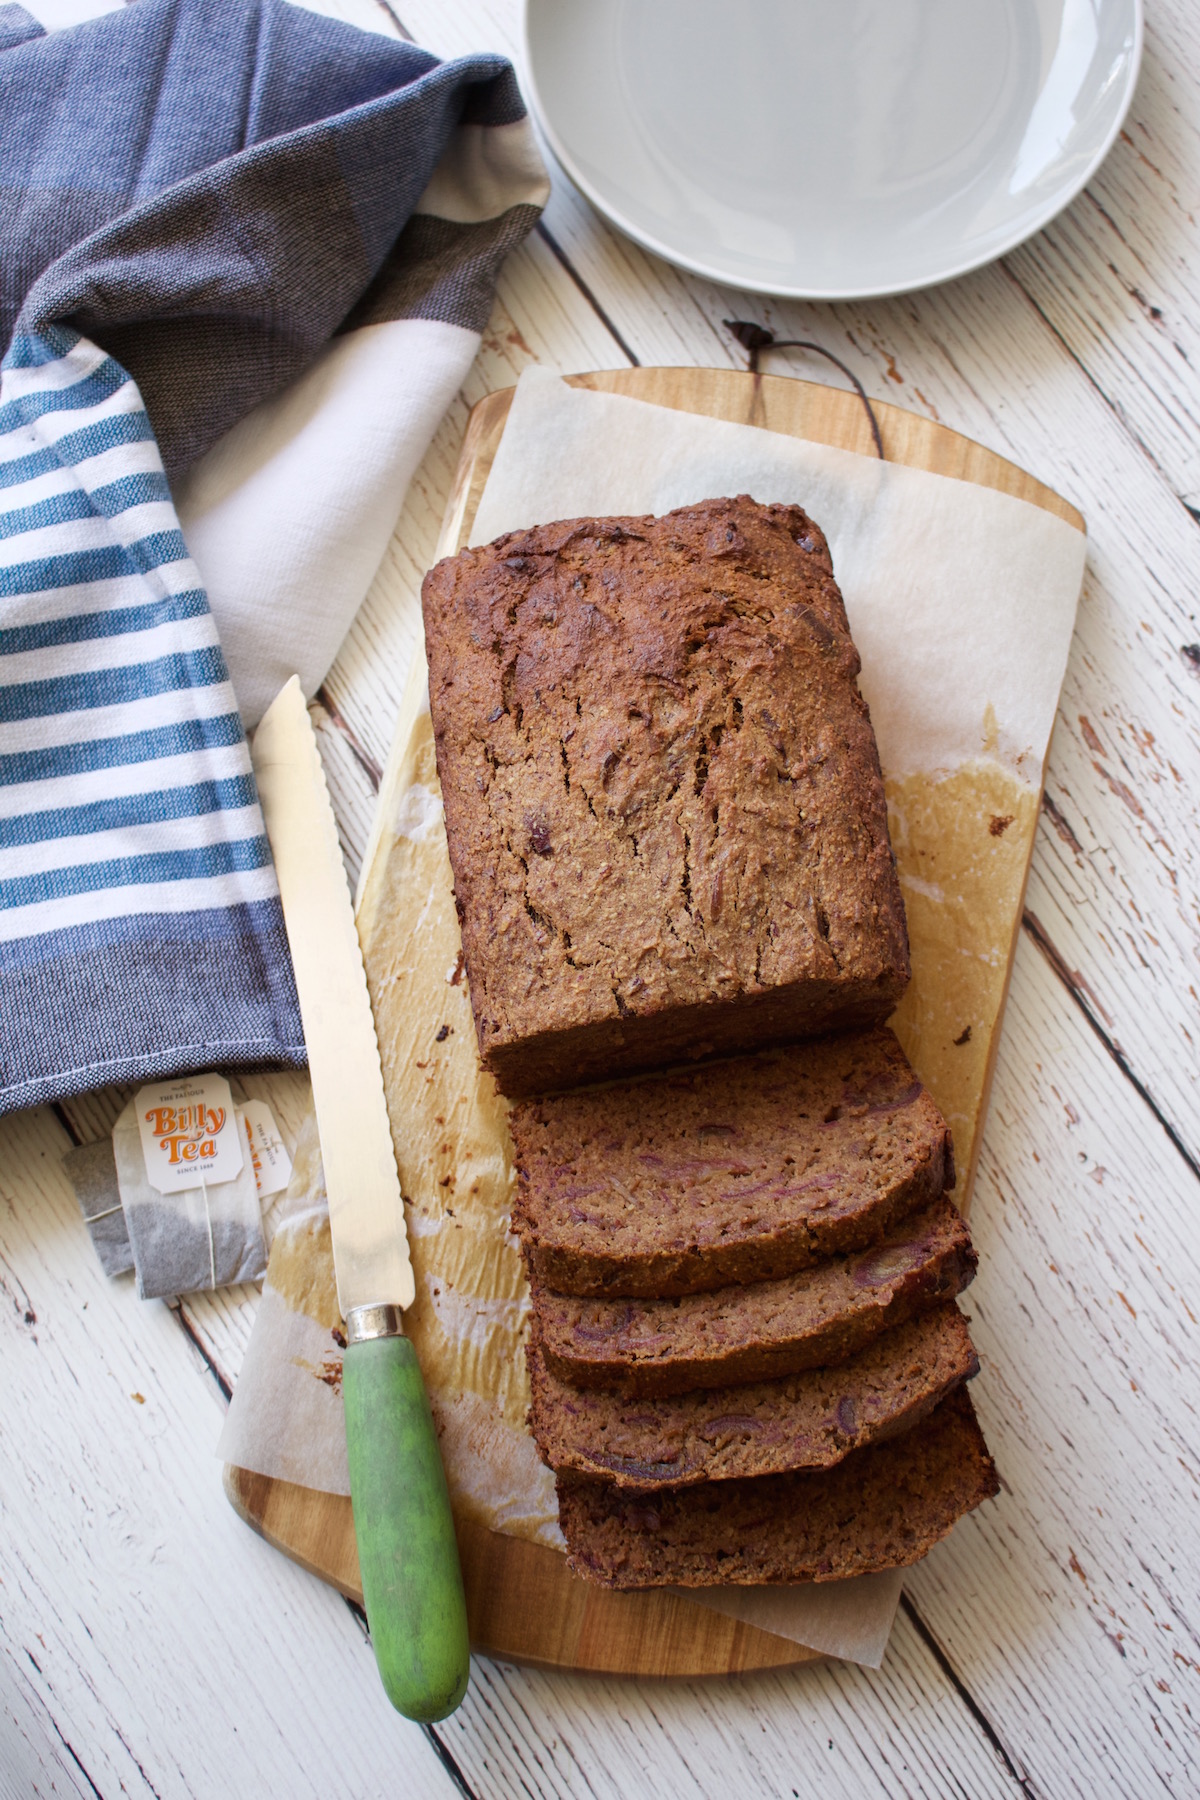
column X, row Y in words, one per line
column 204, row 1235
column 92, row 1171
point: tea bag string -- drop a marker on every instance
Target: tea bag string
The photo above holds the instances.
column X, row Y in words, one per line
column 754, row 339
column 212, row 1247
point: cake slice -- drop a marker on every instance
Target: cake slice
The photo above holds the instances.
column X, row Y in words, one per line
column 663, row 800
column 806, row 1421
column 738, row 1171
column 764, row 1329
column 882, row 1508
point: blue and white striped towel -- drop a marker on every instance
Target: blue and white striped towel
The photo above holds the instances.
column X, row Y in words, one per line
column 136, row 886
column 282, row 234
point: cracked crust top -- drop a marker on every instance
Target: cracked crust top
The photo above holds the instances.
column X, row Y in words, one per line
column 663, row 799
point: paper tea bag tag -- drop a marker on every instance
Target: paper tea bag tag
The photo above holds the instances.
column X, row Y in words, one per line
column 190, row 1133
column 268, row 1152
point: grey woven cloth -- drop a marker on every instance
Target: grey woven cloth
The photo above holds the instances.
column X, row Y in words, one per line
column 210, row 189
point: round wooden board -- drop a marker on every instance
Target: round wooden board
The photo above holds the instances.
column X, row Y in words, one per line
column 523, row 1604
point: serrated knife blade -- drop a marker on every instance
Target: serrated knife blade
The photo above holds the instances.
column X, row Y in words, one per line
column 366, row 1211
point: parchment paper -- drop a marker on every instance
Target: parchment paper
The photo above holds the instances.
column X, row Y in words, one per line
column 961, row 599
column 962, row 603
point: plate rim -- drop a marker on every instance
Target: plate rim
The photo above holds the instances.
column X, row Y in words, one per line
column 711, row 272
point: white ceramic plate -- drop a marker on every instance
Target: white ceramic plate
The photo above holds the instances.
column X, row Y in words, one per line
column 831, row 149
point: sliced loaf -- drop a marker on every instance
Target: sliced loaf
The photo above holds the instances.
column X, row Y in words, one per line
column 882, row 1508
column 737, row 1171
column 764, row 1329
column 806, row 1421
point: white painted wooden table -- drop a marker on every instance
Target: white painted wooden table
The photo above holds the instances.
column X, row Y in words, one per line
column 150, row 1645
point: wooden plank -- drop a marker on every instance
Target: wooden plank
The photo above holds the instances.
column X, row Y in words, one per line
column 1116, row 274
column 139, row 1623
column 38, row 1758
column 1069, row 1608
column 829, row 1729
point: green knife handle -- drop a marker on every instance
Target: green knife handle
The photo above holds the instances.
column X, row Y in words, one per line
column 412, row 1582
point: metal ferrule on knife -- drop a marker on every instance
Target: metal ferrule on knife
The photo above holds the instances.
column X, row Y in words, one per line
column 380, row 1320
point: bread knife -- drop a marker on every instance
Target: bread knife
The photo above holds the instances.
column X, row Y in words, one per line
column 412, row 1582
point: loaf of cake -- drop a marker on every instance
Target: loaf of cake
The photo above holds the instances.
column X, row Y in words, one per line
column 759, row 1331
column 880, row 1508
column 662, row 793
column 737, row 1171
column 806, row 1421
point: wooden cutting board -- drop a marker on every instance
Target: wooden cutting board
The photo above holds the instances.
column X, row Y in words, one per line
column 523, row 1604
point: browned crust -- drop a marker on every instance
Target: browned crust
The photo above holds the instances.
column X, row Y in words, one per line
column 757, row 1332
column 882, row 1508
column 806, row 1421
column 663, row 801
